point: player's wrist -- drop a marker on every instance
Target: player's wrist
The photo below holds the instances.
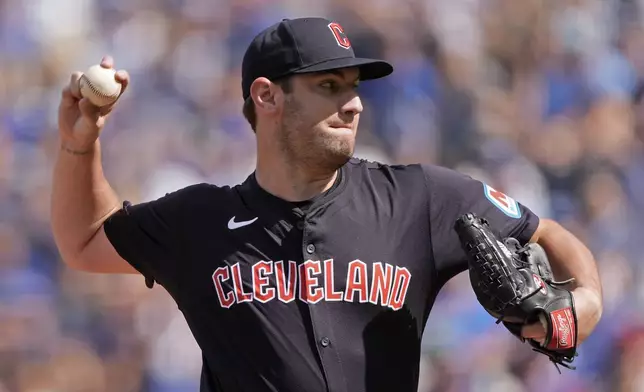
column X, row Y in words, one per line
column 78, row 148
column 588, row 302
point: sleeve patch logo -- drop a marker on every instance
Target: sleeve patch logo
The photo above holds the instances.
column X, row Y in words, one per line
column 503, row 202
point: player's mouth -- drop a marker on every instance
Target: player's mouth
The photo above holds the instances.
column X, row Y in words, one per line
column 342, row 127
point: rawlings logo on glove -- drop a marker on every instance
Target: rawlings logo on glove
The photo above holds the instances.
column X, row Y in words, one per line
column 515, row 284
column 564, row 323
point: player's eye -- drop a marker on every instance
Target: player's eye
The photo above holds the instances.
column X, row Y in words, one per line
column 332, row 86
column 329, row 85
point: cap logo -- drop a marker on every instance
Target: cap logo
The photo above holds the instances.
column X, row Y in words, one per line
column 339, row 35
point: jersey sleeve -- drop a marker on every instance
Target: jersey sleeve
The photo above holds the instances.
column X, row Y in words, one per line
column 453, row 194
column 150, row 235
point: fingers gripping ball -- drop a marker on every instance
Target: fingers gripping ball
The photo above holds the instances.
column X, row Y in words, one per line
column 99, row 85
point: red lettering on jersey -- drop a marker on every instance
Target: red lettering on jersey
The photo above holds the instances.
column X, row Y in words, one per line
column 329, row 293
column 357, row 282
column 238, row 283
column 381, row 284
column 387, row 286
column 308, row 290
column 260, row 281
column 500, row 197
column 285, row 289
column 340, row 37
column 401, row 284
column 221, row 274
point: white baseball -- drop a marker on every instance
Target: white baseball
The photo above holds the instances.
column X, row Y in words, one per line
column 99, row 86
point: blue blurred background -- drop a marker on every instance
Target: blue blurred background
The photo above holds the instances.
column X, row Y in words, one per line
column 534, row 97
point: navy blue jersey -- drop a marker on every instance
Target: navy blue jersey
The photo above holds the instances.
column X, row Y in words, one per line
column 329, row 295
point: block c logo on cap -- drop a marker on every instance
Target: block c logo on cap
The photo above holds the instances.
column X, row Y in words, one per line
column 339, row 35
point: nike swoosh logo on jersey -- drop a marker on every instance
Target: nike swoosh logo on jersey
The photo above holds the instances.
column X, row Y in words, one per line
column 232, row 225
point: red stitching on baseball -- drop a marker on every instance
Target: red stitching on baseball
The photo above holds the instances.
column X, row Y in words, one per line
column 93, row 88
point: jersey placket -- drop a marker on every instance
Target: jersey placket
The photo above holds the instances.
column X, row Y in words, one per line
column 320, row 321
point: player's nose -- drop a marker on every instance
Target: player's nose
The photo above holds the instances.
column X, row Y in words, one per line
column 353, row 106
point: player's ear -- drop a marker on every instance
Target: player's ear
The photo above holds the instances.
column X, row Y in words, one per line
column 265, row 94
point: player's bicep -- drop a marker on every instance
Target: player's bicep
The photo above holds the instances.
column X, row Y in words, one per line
column 453, row 194
column 153, row 236
column 100, row 256
column 506, row 216
column 147, row 236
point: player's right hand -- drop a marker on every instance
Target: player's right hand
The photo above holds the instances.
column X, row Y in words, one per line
column 79, row 121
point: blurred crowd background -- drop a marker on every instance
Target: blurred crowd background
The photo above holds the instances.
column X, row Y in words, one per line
column 536, row 97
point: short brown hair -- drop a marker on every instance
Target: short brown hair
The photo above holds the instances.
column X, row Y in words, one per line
column 249, row 105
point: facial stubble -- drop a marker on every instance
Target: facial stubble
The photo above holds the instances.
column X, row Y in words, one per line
column 308, row 147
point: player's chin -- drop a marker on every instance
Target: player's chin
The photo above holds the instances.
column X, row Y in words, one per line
column 337, row 151
column 340, row 138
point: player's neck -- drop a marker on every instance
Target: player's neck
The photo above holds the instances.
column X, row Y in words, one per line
column 290, row 182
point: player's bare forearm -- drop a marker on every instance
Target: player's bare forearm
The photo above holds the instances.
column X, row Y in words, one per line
column 570, row 258
column 81, row 198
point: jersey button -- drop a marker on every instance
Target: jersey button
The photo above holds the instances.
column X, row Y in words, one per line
column 325, row 341
column 310, row 248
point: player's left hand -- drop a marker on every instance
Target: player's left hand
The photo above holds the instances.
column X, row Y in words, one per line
column 588, row 309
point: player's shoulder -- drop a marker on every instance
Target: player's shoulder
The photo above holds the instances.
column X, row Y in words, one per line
column 401, row 180
column 198, row 194
column 375, row 167
column 442, row 174
column 433, row 179
column 421, row 172
column 202, row 188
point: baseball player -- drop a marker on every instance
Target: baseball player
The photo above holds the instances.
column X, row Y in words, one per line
column 319, row 271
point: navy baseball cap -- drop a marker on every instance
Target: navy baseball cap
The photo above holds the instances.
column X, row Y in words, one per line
column 304, row 45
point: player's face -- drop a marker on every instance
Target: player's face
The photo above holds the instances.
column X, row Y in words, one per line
column 320, row 119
